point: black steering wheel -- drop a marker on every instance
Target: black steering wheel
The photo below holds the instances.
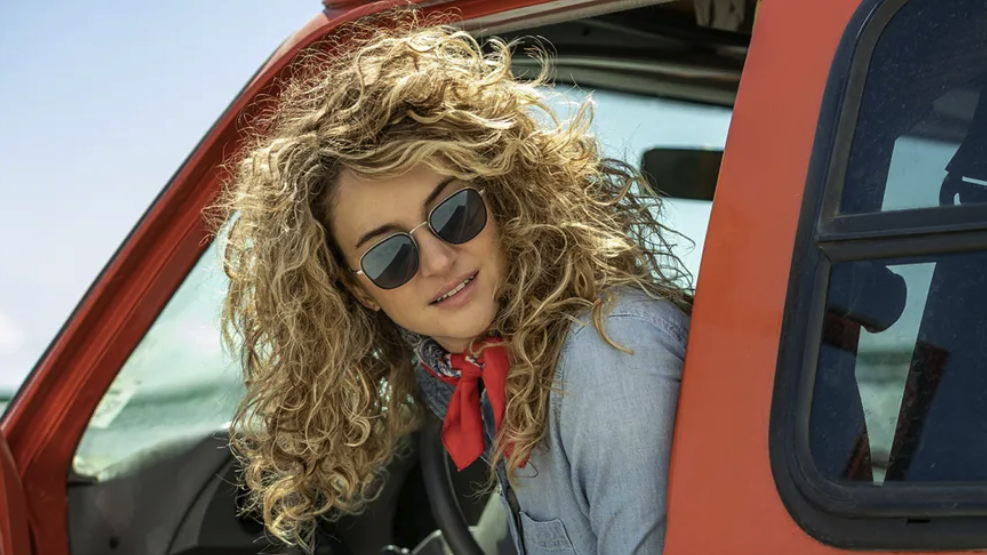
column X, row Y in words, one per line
column 441, row 495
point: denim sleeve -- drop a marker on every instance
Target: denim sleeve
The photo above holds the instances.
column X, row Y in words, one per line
column 615, row 416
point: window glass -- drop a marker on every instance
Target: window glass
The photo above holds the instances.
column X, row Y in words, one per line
column 902, row 371
column 180, row 384
column 921, row 140
column 628, row 125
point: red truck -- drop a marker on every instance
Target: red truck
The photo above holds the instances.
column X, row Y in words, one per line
column 828, row 158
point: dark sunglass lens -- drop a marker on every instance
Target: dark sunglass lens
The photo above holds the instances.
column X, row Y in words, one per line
column 392, row 262
column 460, row 217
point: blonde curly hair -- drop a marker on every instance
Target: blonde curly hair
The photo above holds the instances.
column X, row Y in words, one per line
column 330, row 384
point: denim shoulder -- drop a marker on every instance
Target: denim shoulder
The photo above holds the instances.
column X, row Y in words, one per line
column 636, row 320
column 612, row 416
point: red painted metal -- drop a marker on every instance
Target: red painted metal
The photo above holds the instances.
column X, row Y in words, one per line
column 722, row 496
column 15, row 534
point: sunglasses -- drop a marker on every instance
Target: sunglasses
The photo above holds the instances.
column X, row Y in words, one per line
column 394, row 260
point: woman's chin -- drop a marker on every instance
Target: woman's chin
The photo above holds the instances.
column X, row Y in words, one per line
column 464, row 330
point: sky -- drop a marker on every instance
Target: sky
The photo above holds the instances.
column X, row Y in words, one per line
column 99, row 105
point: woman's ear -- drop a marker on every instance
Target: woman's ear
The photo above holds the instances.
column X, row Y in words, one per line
column 361, row 295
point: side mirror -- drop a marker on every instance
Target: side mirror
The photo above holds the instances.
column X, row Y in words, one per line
column 684, row 173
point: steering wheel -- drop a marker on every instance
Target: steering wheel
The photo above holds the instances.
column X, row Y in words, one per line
column 441, row 495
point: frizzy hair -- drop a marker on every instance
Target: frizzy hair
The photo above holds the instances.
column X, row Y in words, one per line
column 330, row 384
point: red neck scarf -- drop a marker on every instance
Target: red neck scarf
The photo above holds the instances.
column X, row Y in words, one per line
column 462, row 431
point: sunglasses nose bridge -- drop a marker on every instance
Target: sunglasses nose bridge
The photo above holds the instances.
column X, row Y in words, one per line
column 417, row 227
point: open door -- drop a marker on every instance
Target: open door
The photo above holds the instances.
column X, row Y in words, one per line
column 15, row 538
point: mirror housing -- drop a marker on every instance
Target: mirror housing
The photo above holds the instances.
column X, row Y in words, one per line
column 684, row 173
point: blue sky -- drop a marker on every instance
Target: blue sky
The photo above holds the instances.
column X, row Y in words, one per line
column 99, row 104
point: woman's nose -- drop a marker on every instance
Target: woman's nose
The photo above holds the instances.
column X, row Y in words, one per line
column 437, row 256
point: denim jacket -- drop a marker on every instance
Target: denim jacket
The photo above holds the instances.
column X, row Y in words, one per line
column 597, row 483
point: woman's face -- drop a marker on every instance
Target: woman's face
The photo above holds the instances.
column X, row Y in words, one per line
column 365, row 212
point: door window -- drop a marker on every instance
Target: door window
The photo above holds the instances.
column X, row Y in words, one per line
column 879, row 434
column 919, row 143
column 179, row 384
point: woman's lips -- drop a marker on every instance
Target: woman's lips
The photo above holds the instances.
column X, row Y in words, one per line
column 462, row 297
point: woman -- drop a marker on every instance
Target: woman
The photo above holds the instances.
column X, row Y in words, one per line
column 414, row 227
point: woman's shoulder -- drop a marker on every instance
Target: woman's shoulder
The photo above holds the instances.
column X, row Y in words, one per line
column 645, row 339
column 635, row 304
column 634, row 317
